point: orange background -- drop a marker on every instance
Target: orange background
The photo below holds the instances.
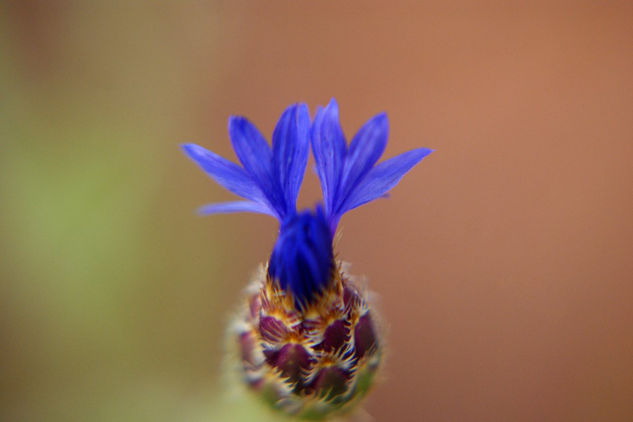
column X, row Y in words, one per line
column 503, row 263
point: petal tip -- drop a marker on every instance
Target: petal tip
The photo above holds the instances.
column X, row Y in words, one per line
column 425, row 151
column 381, row 120
column 192, row 151
column 332, row 107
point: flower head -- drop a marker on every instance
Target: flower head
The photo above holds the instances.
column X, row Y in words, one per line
column 306, row 335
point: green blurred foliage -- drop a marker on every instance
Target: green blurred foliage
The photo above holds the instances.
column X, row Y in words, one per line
column 113, row 292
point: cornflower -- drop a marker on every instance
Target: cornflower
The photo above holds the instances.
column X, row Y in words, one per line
column 307, row 337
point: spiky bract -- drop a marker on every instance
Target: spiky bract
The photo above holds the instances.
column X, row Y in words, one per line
column 310, row 362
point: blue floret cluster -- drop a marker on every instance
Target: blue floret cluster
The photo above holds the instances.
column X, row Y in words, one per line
column 269, row 179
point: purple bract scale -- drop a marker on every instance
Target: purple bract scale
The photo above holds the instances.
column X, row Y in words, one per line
column 331, row 381
column 364, row 336
column 335, row 336
column 292, row 360
column 351, row 298
column 254, row 305
column 273, row 330
column 247, row 346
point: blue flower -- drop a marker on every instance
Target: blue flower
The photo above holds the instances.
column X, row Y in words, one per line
column 348, row 175
column 269, row 180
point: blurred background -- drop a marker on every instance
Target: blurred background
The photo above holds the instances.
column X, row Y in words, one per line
column 503, row 263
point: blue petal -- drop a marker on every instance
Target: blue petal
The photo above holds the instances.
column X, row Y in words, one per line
column 383, row 177
column 329, row 150
column 225, row 173
column 364, row 150
column 290, row 151
column 255, row 155
column 237, row 206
